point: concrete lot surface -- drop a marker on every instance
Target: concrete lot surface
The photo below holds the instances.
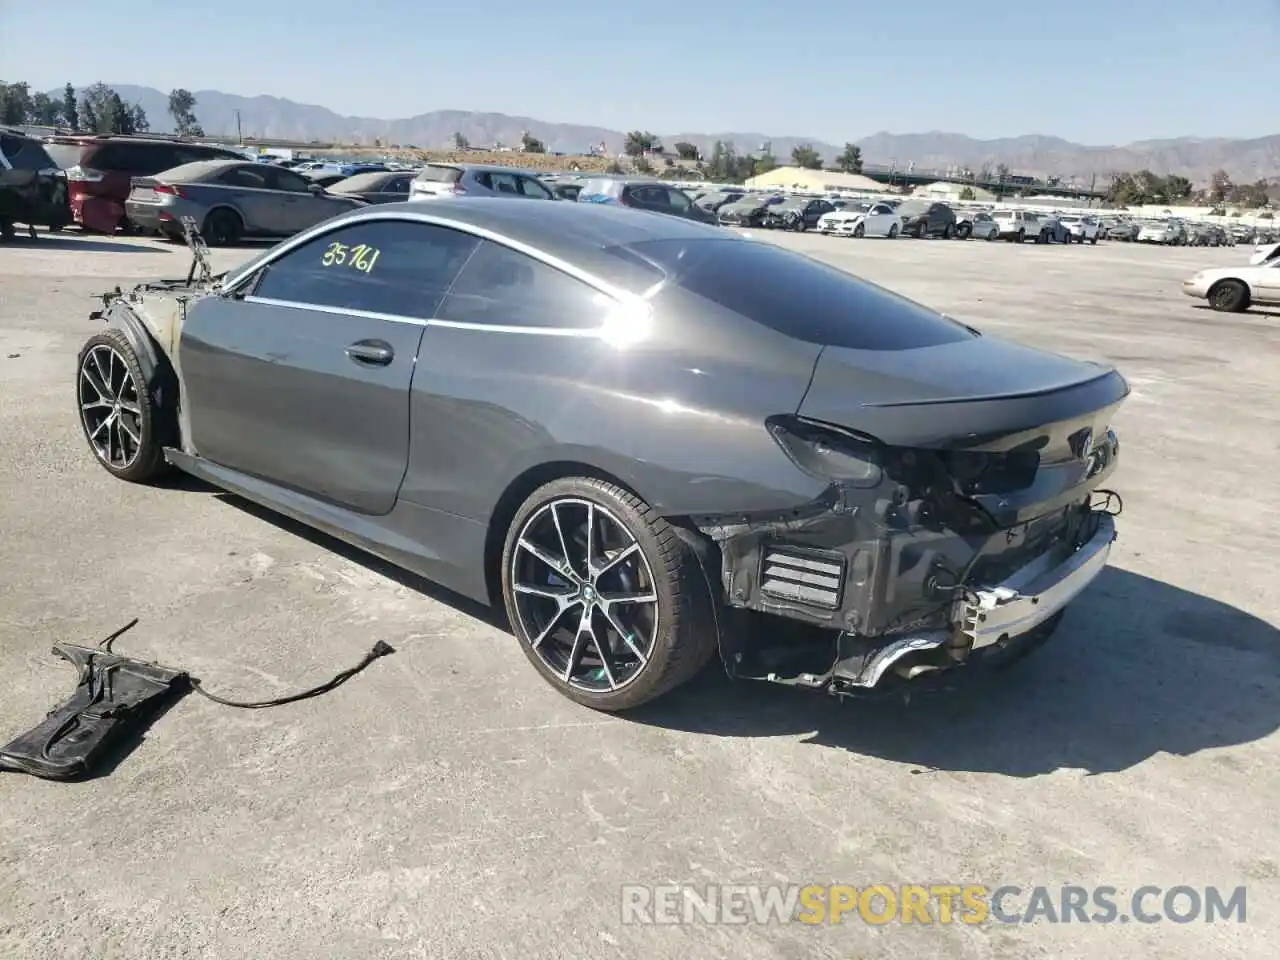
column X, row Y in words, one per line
column 447, row 803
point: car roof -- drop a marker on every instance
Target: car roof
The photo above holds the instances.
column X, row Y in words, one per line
column 483, row 167
column 203, row 168
column 579, row 233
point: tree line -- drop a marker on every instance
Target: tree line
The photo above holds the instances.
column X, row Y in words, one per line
column 1145, row 187
column 724, row 164
column 96, row 109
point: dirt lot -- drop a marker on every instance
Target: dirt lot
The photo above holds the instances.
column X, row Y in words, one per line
column 447, row 803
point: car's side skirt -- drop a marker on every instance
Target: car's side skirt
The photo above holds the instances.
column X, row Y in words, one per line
column 439, row 546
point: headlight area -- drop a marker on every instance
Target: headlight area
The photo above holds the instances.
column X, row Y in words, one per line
column 888, row 554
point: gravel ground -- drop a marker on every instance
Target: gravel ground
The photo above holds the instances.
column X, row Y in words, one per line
column 447, row 803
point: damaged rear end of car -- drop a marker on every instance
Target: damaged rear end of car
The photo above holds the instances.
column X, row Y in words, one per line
column 960, row 485
column 931, row 548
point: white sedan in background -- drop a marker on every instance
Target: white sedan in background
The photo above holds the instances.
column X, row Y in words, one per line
column 861, row 220
column 1235, row 289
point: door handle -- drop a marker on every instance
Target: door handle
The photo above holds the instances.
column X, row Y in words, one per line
column 376, row 352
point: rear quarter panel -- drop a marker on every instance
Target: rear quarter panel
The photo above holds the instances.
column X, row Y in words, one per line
column 678, row 418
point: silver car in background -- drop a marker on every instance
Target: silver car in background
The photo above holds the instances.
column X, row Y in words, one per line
column 437, row 181
column 231, row 200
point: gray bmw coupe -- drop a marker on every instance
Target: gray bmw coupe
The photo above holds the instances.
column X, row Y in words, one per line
column 649, row 439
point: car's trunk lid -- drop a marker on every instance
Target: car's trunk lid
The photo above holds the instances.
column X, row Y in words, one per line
column 980, row 395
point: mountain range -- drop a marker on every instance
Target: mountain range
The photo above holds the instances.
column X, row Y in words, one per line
column 1033, row 155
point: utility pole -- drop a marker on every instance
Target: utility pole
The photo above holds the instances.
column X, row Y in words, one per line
column 239, row 132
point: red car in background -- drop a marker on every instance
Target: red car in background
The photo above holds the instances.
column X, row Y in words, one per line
column 100, row 171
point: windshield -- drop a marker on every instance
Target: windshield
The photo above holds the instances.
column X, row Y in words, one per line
column 23, row 153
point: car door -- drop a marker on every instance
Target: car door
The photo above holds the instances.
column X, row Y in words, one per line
column 1266, row 282
column 300, row 375
column 244, row 187
column 298, row 205
column 878, row 220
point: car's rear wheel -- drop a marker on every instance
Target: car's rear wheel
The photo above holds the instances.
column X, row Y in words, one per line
column 116, row 412
column 222, row 228
column 1021, row 236
column 1229, row 296
column 963, row 231
column 609, row 604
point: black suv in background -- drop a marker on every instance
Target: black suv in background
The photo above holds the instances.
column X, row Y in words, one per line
column 927, row 218
column 32, row 188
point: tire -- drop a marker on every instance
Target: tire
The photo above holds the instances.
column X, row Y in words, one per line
column 6, row 230
column 1021, row 236
column 1229, row 296
column 669, row 644
column 801, row 226
column 947, row 232
column 1041, row 237
column 859, row 231
column 1093, row 241
column 134, row 425
column 963, row 232
column 893, row 231
column 922, row 230
column 222, row 228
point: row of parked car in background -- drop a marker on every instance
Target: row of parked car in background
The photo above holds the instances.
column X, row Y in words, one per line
column 150, row 184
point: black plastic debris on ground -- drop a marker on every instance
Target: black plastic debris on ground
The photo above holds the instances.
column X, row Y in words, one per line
column 116, row 697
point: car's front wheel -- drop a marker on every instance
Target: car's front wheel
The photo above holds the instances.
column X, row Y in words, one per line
column 1229, row 296
column 608, row 603
column 116, row 412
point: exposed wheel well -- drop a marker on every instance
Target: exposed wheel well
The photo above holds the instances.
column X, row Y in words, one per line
column 516, row 493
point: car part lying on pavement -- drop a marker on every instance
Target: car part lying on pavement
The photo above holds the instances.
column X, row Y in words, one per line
column 116, row 697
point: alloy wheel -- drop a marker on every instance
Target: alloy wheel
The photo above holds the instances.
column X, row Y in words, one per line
column 584, row 594
column 109, row 407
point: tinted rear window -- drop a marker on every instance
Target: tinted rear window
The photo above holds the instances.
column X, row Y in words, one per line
column 791, row 293
column 440, row 174
column 64, row 154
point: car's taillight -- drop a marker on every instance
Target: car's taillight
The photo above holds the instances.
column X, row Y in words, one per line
column 84, row 174
column 827, row 451
column 170, row 190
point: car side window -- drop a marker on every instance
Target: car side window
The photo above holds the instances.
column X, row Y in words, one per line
column 280, row 179
column 677, row 201
column 250, row 177
column 532, row 188
column 398, row 185
column 503, row 183
column 503, row 287
column 397, row 267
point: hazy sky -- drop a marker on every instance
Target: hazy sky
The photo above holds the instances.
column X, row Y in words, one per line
column 1088, row 70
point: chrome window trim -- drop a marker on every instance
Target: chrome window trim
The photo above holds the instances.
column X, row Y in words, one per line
column 337, row 311
column 432, row 322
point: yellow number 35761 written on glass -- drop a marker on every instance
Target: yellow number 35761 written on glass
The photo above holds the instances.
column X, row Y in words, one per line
column 360, row 257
